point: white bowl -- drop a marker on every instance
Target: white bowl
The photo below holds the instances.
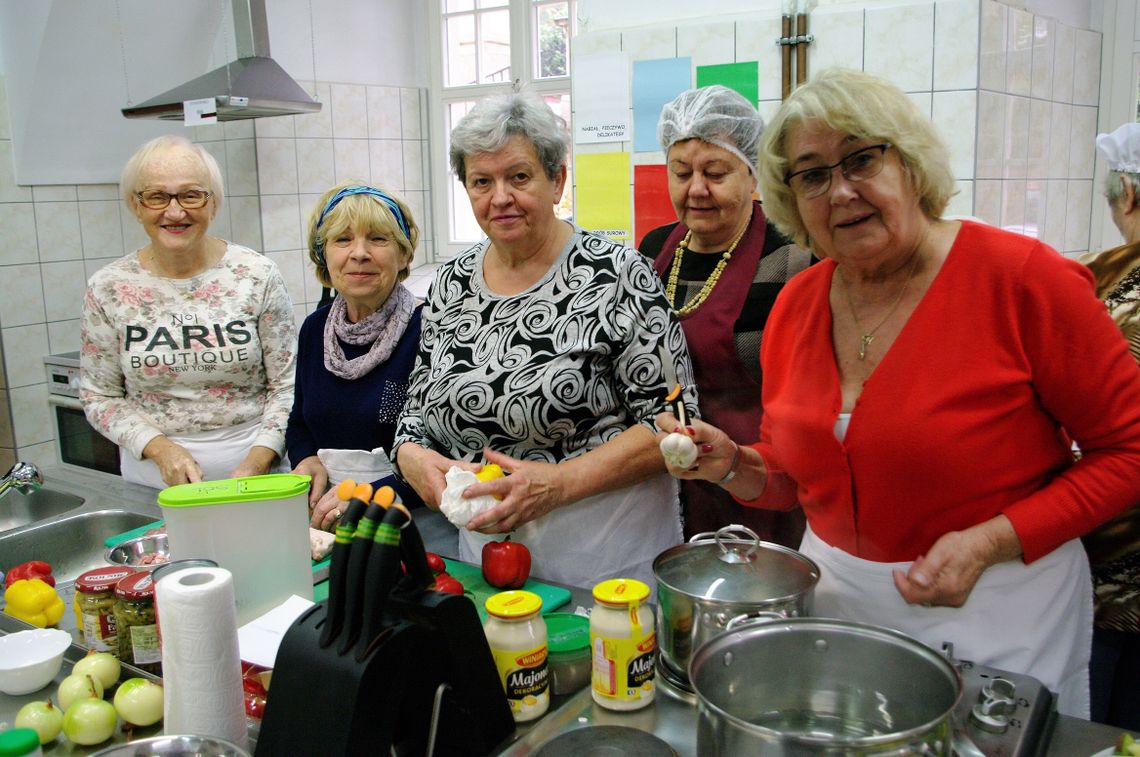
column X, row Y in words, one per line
column 30, row 660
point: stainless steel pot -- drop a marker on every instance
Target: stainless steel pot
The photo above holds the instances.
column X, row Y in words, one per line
column 702, row 585
column 815, row 686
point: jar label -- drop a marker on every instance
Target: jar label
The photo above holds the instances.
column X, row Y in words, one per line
column 525, row 679
column 144, row 644
column 624, row 668
column 99, row 631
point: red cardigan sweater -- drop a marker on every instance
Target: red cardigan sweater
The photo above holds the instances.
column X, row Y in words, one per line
column 963, row 417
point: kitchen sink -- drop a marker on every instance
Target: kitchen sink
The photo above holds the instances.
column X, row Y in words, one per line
column 72, row 544
column 19, row 509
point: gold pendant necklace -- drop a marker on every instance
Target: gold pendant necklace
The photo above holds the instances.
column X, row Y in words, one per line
column 869, row 336
column 675, row 271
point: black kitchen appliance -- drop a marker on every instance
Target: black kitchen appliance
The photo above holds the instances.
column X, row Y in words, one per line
column 408, row 672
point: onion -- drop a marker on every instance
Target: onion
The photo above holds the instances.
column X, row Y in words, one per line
column 76, row 687
column 43, row 718
column 139, row 701
column 89, row 721
column 103, row 665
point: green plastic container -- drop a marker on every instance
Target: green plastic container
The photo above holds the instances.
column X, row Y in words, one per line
column 256, row 527
column 568, row 651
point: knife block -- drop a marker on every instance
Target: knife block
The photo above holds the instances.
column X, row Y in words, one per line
column 322, row 703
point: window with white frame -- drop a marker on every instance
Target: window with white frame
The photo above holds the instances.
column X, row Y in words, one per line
column 485, row 47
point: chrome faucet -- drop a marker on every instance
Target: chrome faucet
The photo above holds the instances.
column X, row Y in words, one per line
column 23, row 477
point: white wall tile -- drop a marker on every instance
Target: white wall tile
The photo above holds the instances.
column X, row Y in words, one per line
column 992, row 43
column 1016, row 127
column 351, row 156
column 240, row 129
column 220, row 226
column 1019, row 52
column 278, row 126
column 64, row 287
column 411, row 121
column 956, row 44
column 217, row 151
column 1037, row 138
column 955, row 113
column 1034, row 208
column 991, row 134
column 316, row 169
column 54, row 193
column 134, row 235
column 31, row 417
column 5, row 123
column 1013, row 205
column 384, row 112
column 386, row 157
column 1056, row 208
column 838, row 39
column 1060, row 126
column 101, row 229
column 708, row 44
column 43, row 454
column 277, row 166
column 349, row 111
column 1044, row 48
column 755, row 39
column 650, row 43
column 987, row 201
column 317, row 124
column 922, row 101
column 962, row 203
column 24, row 304
column 902, row 39
column 63, row 336
column 26, row 345
column 241, row 167
column 280, row 223
column 9, row 192
column 18, row 234
column 1086, row 68
column 596, row 42
column 245, row 221
column 1064, row 51
column 98, row 192
column 1082, row 143
column 1079, row 199
column 413, row 165
column 57, row 229
column 292, row 268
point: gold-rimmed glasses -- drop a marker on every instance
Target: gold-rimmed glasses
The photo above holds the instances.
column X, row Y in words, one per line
column 190, row 199
column 859, row 165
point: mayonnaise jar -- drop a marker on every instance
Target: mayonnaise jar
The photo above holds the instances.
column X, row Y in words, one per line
column 623, row 645
column 516, row 634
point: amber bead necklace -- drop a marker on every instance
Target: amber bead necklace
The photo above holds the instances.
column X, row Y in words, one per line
column 710, row 282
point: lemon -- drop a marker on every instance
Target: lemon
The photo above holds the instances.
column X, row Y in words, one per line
column 489, row 472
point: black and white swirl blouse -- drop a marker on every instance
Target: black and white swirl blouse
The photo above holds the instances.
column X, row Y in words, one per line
column 550, row 373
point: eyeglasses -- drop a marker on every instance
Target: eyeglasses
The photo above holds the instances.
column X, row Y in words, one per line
column 191, row 199
column 857, row 166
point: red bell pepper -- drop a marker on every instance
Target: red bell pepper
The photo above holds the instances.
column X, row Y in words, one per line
column 31, row 569
column 448, row 584
column 506, row 564
column 436, row 563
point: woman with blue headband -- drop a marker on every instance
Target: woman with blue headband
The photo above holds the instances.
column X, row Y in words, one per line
column 354, row 355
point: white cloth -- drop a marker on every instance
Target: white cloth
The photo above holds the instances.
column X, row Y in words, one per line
column 360, row 465
column 612, row 535
column 1121, row 148
column 1032, row 619
column 454, row 506
column 218, row 452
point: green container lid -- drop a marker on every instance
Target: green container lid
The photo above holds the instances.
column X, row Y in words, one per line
column 19, row 742
column 567, row 633
column 230, row 490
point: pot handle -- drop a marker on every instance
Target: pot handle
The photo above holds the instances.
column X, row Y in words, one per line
column 754, row 619
column 731, row 533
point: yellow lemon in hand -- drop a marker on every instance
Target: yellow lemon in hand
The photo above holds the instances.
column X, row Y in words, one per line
column 489, row 472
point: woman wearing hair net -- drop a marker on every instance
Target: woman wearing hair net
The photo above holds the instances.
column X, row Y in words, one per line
column 723, row 265
column 1112, row 548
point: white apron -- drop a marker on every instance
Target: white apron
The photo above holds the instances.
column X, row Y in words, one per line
column 1032, row 619
column 616, row 534
column 218, row 452
column 361, row 465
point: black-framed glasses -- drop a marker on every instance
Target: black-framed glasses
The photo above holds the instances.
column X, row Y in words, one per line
column 191, row 199
column 855, row 166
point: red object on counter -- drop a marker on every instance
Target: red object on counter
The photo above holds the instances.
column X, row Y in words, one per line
column 31, row 569
column 436, row 563
column 506, row 564
column 448, row 584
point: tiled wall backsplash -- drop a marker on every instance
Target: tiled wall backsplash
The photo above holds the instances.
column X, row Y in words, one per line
column 52, row 238
column 1015, row 95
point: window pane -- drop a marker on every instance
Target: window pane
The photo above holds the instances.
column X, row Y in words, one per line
column 493, row 3
column 560, row 104
column 462, row 226
column 494, row 46
column 451, row 6
column 459, row 50
column 552, row 28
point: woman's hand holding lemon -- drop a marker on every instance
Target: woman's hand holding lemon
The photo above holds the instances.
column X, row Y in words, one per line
column 530, row 491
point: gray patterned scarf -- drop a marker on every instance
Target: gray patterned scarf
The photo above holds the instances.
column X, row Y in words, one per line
column 382, row 330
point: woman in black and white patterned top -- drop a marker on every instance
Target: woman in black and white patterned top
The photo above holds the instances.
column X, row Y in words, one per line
column 542, row 351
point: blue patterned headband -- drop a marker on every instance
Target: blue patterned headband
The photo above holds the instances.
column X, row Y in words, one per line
column 391, row 204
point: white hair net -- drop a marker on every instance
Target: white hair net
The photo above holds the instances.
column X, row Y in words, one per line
column 717, row 115
column 1121, row 148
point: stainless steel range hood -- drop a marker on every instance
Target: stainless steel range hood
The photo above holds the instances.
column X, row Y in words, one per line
column 253, row 86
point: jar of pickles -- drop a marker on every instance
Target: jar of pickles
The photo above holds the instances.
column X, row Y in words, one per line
column 135, row 622
column 95, row 607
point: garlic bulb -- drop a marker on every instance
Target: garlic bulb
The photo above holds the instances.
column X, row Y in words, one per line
column 679, row 450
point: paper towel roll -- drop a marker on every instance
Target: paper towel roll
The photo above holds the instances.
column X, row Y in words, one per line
column 201, row 668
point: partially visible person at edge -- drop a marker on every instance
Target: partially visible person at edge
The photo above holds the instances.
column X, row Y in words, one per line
column 354, row 354
column 923, row 385
column 723, row 265
column 1114, row 548
column 543, row 351
column 188, row 343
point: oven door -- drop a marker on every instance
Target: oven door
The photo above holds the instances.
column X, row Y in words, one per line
column 77, row 440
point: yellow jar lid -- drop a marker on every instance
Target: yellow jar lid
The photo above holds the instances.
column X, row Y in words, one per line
column 621, row 591
column 513, row 604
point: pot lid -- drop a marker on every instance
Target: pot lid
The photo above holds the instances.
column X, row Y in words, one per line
column 725, row 567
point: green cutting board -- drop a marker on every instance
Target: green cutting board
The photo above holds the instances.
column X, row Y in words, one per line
column 475, row 587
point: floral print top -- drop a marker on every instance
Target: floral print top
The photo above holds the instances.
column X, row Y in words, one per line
column 173, row 356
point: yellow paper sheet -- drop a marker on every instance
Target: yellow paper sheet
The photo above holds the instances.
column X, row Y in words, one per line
column 602, row 195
